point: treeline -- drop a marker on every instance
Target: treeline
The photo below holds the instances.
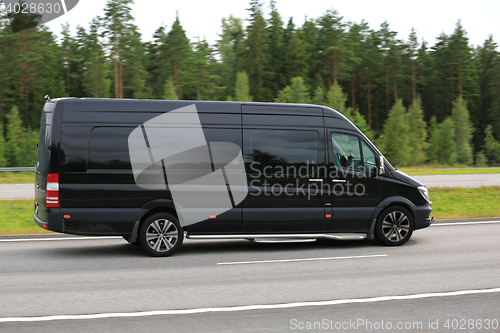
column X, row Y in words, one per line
column 421, row 103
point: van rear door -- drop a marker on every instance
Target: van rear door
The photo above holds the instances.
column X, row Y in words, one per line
column 43, row 160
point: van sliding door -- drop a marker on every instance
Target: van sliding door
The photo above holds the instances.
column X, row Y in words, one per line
column 283, row 155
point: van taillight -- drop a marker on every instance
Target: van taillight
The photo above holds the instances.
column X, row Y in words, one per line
column 52, row 194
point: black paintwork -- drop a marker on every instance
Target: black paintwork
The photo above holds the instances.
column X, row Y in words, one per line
column 88, row 148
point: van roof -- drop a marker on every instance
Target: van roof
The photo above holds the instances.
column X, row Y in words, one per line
column 72, row 104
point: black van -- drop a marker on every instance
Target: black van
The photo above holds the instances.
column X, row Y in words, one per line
column 306, row 172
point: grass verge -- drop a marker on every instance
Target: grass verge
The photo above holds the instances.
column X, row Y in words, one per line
column 17, row 177
column 448, row 203
column 462, row 203
column 17, row 218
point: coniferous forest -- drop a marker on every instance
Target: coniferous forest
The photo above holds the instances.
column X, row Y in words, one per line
column 420, row 103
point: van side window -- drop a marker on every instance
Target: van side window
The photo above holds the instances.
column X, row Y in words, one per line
column 274, row 151
column 108, row 148
column 346, row 151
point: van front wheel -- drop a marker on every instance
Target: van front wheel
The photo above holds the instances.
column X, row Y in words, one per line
column 394, row 226
column 161, row 235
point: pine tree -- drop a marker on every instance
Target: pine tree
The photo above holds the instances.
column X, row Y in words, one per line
column 133, row 83
column 283, row 95
column 27, row 155
column 466, row 81
column 463, row 131
column 488, row 64
column 308, row 34
column 276, row 50
column 490, row 145
column 417, row 132
column 179, row 59
column 388, row 47
column 96, row 82
column 154, row 63
column 336, row 99
column 295, row 56
column 331, row 40
column 31, row 70
column 230, row 48
column 170, row 90
column 412, row 54
column 3, row 150
column 360, row 122
column 15, row 137
column 494, row 110
column 204, row 66
column 72, row 65
column 432, row 153
column 298, row 91
column 372, row 78
column 242, row 89
column 257, row 55
column 396, row 141
column 319, row 96
column 487, row 58
column 117, row 22
column 445, row 149
column 354, row 48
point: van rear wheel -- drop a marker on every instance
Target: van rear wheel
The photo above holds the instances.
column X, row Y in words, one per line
column 161, row 235
column 394, row 226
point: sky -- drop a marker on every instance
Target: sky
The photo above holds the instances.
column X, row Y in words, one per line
column 203, row 18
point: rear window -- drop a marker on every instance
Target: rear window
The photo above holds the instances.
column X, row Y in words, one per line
column 45, row 138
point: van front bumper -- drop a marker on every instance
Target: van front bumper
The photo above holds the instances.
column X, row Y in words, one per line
column 423, row 217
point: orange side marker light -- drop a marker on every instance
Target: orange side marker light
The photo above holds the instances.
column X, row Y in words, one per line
column 66, row 216
column 213, row 216
column 328, row 215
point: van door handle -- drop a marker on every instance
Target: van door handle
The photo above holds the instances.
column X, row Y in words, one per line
column 315, row 180
column 338, row 180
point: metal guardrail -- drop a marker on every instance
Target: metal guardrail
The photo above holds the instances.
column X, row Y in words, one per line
column 18, row 169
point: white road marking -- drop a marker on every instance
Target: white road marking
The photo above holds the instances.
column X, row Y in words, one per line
column 249, row 307
column 292, row 260
column 57, row 239
column 473, row 222
column 243, row 262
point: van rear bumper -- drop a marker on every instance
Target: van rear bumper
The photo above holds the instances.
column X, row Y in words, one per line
column 56, row 223
column 89, row 226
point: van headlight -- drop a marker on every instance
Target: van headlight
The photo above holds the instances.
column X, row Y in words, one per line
column 424, row 191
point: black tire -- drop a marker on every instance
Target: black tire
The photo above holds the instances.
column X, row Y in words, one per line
column 394, row 226
column 161, row 235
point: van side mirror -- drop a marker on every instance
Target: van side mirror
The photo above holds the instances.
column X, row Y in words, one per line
column 381, row 167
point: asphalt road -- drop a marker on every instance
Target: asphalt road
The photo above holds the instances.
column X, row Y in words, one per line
column 26, row 191
column 492, row 179
column 445, row 272
column 17, row 191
